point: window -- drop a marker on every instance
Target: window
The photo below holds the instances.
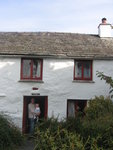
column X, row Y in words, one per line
column 74, row 106
column 31, row 69
column 83, row 70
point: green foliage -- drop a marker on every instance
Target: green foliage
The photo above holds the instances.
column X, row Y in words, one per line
column 99, row 107
column 59, row 139
column 94, row 131
column 10, row 136
column 98, row 123
column 51, row 123
column 63, row 136
column 107, row 79
column 71, row 124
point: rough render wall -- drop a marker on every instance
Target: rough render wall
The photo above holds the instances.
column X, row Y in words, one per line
column 58, row 86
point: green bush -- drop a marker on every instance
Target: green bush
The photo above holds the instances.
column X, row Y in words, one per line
column 71, row 124
column 99, row 107
column 54, row 135
column 10, row 136
column 98, row 122
column 51, row 123
column 60, row 139
column 94, row 131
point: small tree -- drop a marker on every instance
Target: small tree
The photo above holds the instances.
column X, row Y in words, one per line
column 108, row 80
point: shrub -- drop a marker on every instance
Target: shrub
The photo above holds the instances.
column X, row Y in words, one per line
column 10, row 136
column 94, row 131
column 99, row 107
column 71, row 124
column 98, row 122
column 60, row 139
column 51, row 123
column 53, row 135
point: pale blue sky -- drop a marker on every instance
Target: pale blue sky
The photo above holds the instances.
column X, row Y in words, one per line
column 78, row 16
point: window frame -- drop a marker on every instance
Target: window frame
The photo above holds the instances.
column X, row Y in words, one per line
column 82, row 77
column 31, row 69
column 76, row 104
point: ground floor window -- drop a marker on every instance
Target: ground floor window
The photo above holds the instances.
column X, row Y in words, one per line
column 74, row 106
column 43, row 103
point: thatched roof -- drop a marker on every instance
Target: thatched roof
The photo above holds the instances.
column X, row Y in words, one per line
column 59, row 45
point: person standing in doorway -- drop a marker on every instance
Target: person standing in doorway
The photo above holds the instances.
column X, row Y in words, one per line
column 37, row 113
column 31, row 113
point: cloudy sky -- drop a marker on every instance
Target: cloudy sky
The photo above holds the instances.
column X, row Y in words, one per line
column 79, row 16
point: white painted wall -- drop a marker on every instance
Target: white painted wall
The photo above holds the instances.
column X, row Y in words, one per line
column 58, row 86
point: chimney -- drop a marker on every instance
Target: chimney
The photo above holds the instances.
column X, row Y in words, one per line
column 104, row 29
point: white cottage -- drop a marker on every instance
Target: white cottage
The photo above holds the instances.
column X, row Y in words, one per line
column 57, row 69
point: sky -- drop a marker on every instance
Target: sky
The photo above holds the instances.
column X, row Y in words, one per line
column 75, row 16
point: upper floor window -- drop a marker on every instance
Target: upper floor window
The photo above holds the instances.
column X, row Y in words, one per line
column 83, row 70
column 31, row 68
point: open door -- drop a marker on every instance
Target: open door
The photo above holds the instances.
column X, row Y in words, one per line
column 43, row 102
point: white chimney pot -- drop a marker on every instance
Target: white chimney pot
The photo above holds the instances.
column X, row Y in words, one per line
column 104, row 30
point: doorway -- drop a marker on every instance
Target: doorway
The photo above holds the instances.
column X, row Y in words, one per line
column 43, row 102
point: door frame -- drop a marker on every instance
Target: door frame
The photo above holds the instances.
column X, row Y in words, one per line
column 26, row 101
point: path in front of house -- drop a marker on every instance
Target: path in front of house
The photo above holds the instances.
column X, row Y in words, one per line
column 29, row 145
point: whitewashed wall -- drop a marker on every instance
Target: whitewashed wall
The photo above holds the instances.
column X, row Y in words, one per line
column 58, row 86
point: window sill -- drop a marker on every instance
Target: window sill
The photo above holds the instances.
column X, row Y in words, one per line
column 38, row 81
column 83, row 81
